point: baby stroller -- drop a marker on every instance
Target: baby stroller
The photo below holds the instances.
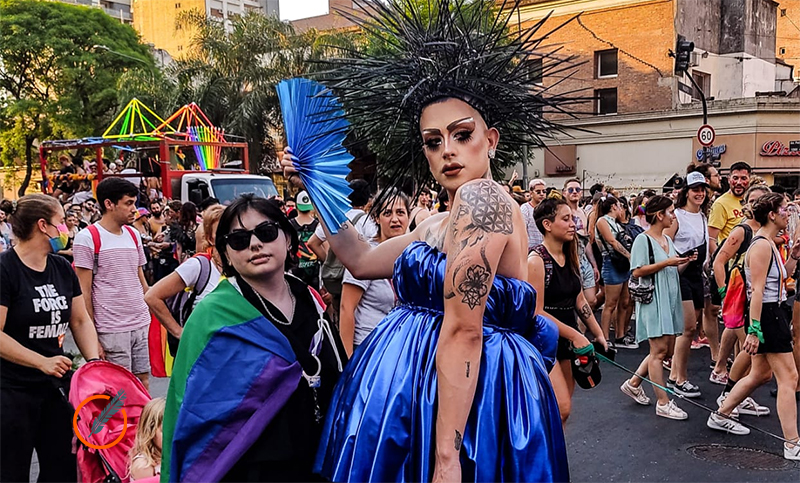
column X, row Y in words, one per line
column 106, row 465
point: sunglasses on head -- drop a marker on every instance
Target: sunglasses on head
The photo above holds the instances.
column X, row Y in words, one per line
column 266, row 232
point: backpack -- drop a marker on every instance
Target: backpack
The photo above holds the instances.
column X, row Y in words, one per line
column 96, row 241
column 333, row 270
column 548, row 262
column 632, row 230
column 181, row 304
column 738, row 259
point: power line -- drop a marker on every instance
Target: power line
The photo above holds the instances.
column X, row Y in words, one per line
column 580, row 22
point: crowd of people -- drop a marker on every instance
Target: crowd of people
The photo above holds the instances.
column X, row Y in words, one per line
column 96, row 268
column 401, row 344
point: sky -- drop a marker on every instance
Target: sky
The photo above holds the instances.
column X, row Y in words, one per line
column 297, row 9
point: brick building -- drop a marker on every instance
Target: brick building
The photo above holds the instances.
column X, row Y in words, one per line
column 643, row 118
column 788, row 34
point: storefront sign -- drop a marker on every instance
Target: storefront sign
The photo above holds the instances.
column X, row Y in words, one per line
column 713, row 151
column 777, row 148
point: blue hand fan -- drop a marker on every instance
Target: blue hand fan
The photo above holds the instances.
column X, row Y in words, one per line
column 315, row 128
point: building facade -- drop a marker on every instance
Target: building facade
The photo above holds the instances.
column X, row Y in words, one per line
column 639, row 128
column 119, row 9
column 788, row 34
column 156, row 20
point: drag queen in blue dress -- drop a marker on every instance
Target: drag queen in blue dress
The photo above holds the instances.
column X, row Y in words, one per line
column 453, row 384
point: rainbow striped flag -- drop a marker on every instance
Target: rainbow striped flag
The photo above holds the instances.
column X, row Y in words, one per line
column 232, row 374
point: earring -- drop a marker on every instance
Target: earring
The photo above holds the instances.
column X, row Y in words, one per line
column 491, row 154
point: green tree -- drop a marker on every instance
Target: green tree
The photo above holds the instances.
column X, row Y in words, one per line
column 231, row 74
column 54, row 81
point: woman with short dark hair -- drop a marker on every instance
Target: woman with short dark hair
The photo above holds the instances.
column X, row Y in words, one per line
column 40, row 297
column 259, row 348
column 554, row 271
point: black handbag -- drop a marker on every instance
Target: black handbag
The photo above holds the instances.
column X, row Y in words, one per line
column 620, row 262
column 642, row 288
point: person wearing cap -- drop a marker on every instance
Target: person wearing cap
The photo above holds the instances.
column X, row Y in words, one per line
column 305, row 223
column 538, row 190
column 690, row 236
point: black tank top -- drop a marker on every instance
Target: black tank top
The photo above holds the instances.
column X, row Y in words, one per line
column 560, row 293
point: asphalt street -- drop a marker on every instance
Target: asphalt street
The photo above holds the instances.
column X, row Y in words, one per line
column 611, row 438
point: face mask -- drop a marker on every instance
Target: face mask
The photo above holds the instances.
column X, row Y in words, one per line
column 60, row 242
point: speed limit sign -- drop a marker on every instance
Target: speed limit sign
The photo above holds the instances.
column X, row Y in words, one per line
column 706, row 135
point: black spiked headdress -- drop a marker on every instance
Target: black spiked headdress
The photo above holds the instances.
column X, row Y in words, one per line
column 470, row 50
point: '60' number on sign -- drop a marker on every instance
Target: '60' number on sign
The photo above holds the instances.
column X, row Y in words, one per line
column 706, row 135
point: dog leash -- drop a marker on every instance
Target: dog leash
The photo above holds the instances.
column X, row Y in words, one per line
column 670, row 391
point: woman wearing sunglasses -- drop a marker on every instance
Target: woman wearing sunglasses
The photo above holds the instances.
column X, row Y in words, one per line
column 257, row 362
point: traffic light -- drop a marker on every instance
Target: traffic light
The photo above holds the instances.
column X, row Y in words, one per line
column 683, row 49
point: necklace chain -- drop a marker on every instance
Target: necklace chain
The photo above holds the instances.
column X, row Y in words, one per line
column 264, row 304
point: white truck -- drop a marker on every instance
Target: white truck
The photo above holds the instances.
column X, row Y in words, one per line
column 224, row 185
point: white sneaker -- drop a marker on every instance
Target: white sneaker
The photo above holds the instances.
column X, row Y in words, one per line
column 721, row 423
column 752, row 408
column 635, row 393
column 721, row 399
column 671, row 411
column 792, row 454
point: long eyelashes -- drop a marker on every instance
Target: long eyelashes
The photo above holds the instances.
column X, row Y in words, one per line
column 463, row 136
column 434, row 144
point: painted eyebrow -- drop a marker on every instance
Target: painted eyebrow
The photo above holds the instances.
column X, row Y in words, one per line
column 450, row 126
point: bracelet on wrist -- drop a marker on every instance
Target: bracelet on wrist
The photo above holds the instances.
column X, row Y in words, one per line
column 794, row 257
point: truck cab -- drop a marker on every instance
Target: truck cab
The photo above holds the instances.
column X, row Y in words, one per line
column 225, row 186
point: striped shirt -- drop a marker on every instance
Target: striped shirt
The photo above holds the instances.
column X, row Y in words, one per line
column 117, row 295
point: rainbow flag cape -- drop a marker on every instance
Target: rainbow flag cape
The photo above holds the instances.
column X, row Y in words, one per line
column 233, row 372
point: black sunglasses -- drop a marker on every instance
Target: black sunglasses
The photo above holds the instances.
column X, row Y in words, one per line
column 266, row 232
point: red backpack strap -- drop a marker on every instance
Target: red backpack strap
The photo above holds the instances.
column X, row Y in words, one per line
column 548, row 262
column 133, row 235
column 96, row 243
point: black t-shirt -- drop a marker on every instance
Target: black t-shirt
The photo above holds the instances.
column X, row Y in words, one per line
column 39, row 309
column 293, row 434
column 308, row 264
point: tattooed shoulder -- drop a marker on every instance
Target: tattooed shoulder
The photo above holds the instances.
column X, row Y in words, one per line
column 486, row 207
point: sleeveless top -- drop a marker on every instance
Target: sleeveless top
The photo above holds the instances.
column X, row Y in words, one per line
column 605, row 247
column 774, row 287
column 562, row 287
column 692, row 234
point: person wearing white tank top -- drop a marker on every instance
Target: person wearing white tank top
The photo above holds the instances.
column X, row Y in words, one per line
column 690, row 235
column 769, row 337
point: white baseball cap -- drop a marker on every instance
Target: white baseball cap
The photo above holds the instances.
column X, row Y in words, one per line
column 303, row 202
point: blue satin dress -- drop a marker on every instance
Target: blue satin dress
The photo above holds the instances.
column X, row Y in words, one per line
column 380, row 424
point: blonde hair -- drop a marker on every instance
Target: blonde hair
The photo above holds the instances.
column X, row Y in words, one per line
column 149, row 424
column 211, row 216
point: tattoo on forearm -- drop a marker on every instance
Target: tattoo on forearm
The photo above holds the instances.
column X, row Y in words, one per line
column 467, row 369
column 458, row 441
column 585, row 312
column 618, row 246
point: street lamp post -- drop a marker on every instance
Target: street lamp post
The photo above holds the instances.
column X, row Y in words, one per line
column 107, row 49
